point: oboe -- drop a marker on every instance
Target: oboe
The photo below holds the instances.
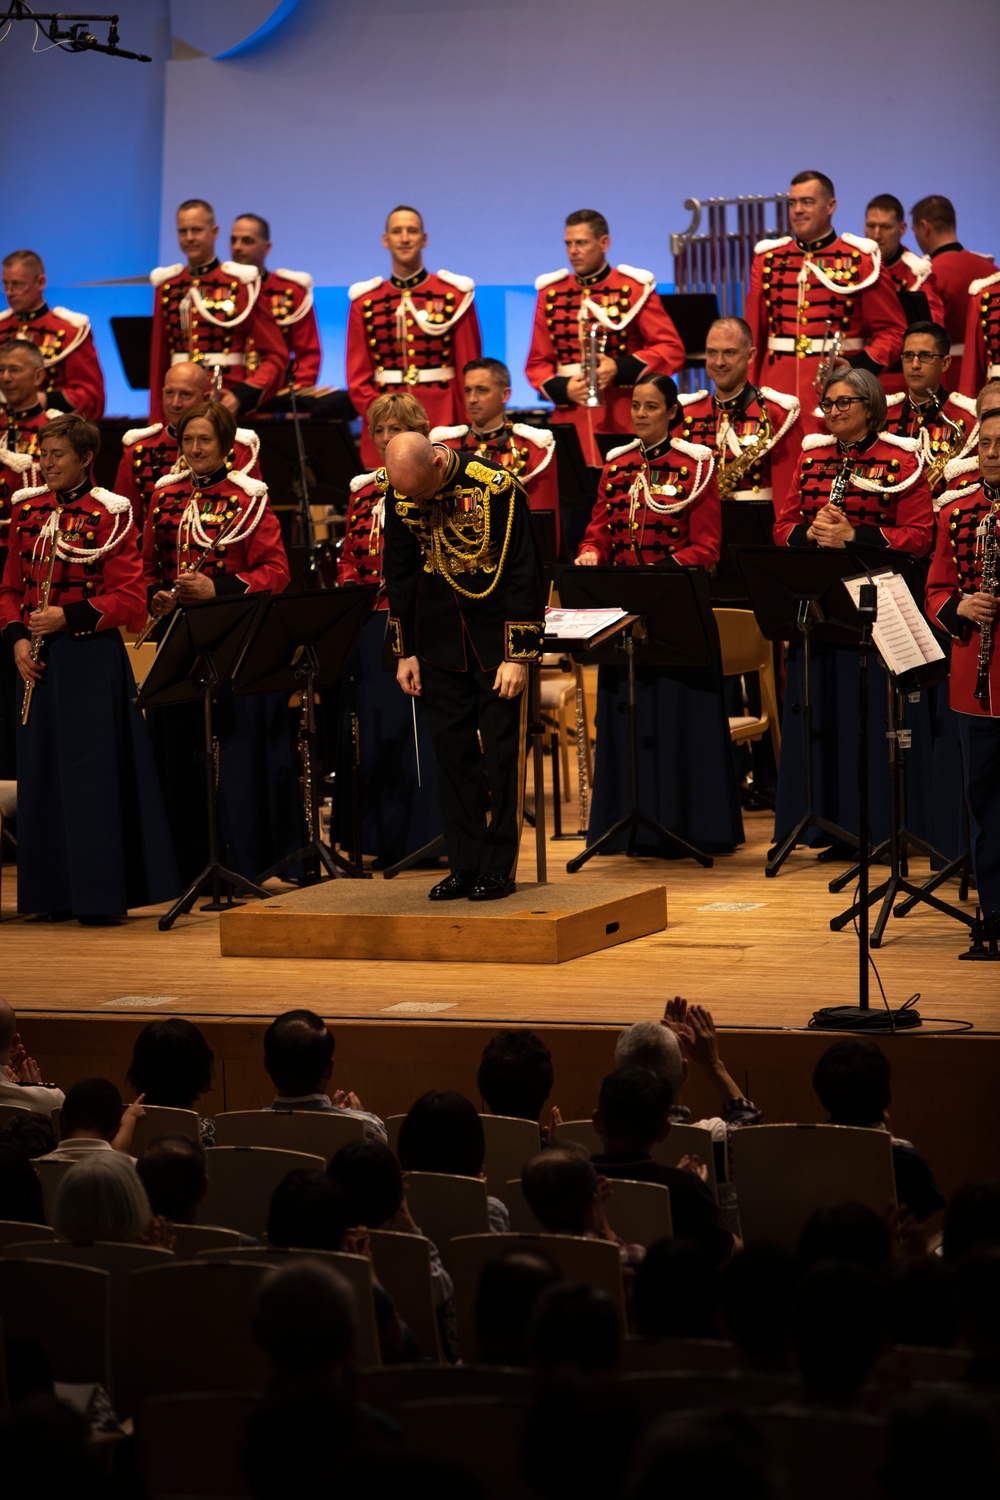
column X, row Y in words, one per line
column 987, row 585
column 43, row 603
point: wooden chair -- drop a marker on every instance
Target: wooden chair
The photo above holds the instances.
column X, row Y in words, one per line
column 65, row 1309
column 191, row 1239
column 315, row 1131
column 510, row 1142
column 481, row 1433
column 785, row 1172
column 596, row 1262
column 403, row 1265
column 160, row 1119
column 744, row 649
column 689, row 1140
column 191, row 1328
column 701, row 1356
column 580, row 1132
column 51, row 1174
column 393, row 1125
column 8, row 809
column 119, row 1261
column 241, row 1180
column 14, row 1232
column 357, row 1269
column 639, row 1212
column 826, row 1455
column 445, row 1206
column 210, row 1424
column 522, row 1219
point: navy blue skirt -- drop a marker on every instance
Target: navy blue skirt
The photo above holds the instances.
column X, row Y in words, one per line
column 259, row 797
column 93, row 837
column 687, row 772
column 397, row 815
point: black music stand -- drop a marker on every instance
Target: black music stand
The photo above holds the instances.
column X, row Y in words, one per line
column 745, row 523
column 675, row 628
column 798, row 594
column 197, row 655
column 303, row 642
column 134, row 340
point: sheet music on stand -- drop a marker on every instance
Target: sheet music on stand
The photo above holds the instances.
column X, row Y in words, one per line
column 563, row 625
column 902, row 636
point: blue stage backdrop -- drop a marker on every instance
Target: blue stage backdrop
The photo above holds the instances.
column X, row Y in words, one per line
column 494, row 117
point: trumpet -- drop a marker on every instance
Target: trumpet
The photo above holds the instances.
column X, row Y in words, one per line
column 594, row 340
column 43, row 603
column 831, row 352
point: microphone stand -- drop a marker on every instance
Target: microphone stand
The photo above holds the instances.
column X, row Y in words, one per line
column 305, row 527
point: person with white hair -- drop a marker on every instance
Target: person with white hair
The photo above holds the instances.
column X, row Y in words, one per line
column 101, row 1197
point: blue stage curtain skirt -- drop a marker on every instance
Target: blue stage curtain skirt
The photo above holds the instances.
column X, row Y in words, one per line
column 397, row 815
column 687, row 772
column 93, row 837
column 259, row 796
column 834, row 674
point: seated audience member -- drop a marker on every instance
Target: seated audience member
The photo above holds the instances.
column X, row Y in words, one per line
column 972, row 1220
column 93, row 1118
column 846, row 1232
column 633, row 1113
column 35, row 1132
column 580, row 1434
column 289, row 1439
column 101, row 1198
column 508, row 1292
column 298, row 1057
column 576, row 1327
column 853, row 1083
column 20, row 1189
column 174, row 1172
column 515, row 1077
column 938, row 1442
column 20, row 1076
column 713, row 1455
column 443, row 1133
column 565, row 1195
column 921, row 1309
column 48, row 1449
column 756, row 1292
column 836, row 1331
column 306, row 1321
column 977, row 1287
column 676, row 1293
column 172, row 1066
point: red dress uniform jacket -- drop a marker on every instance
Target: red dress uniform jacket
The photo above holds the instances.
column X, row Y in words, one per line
column 742, row 434
column 224, row 514
column 944, row 431
column 150, row 452
column 637, row 335
column 955, row 269
column 18, row 458
column 528, row 452
column 289, row 295
column 364, row 534
column 213, row 314
column 981, row 361
column 98, row 576
column 911, row 273
column 656, row 507
column 887, row 499
column 420, row 333
column 801, row 295
column 73, row 379
column 957, row 569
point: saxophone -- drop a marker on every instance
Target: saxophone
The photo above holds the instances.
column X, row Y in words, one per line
column 946, row 450
column 987, row 548
column 728, row 474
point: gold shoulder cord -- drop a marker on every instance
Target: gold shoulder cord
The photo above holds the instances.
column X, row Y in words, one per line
column 438, row 542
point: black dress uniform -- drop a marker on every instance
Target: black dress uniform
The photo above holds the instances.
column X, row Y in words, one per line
column 465, row 595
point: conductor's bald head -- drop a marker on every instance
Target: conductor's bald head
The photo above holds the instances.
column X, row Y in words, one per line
column 414, row 466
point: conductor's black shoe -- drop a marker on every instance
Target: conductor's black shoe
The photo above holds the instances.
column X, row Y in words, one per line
column 456, row 886
column 492, row 888
column 52, row 916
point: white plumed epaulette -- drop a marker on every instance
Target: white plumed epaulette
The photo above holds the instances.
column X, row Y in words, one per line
column 866, row 246
column 908, row 445
column 114, row 504
column 637, row 274
column 301, row 278
column 625, row 448
column 255, row 488
column 446, row 434
column 763, row 246
column 52, row 412
column 246, row 274
column 78, row 320
column 160, row 274
column 175, row 476
column 691, row 396
column 360, row 480
column 920, row 265
column 540, row 435
column 780, row 398
column 359, row 288
column 463, row 284
column 817, row 440
column 896, row 399
column 958, row 466
column 8, row 312
column 697, row 451
column 19, row 463
column 139, row 434
column 28, row 493
column 976, row 287
column 965, row 402
column 549, row 279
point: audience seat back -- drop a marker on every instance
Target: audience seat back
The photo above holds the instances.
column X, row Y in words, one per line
column 66, row 1310
column 14, row 1232
column 510, row 1142
column 209, row 1424
column 581, row 1133
column 785, row 1172
column 387, row 1389
column 403, row 1265
column 161, row 1119
column 826, row 1455
column 316, row 1131
column 658, row 1392
column 689, row 1140
column 638, row 1212
column 393, row 1125
column 191, row 1239
column 702, row 1356
column 444, row 1207
column 50, row 1175
column 191, row 1328
column 482, row 1434
column 241, row 1181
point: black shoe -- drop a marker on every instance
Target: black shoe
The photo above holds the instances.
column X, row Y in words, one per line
column 839, row 852
column 492, row 888
column 457, row 885
column 52, row 916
